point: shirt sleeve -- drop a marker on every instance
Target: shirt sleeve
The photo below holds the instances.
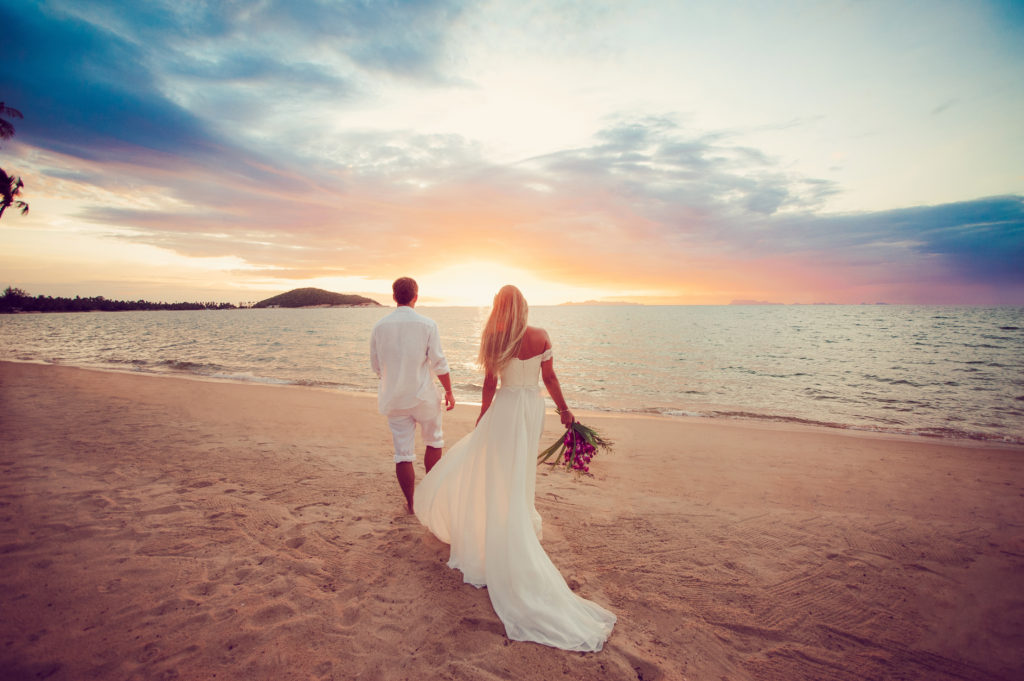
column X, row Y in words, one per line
column 435, row 356
column 374, row 358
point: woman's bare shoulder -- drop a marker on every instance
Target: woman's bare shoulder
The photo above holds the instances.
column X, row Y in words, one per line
column 536, row 334
column 535, row 341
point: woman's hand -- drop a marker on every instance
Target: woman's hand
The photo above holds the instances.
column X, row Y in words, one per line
column 567, row 418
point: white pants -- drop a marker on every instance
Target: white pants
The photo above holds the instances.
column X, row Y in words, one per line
column 403, row 429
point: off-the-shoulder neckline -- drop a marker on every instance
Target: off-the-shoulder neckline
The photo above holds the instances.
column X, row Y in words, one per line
column 540, row 354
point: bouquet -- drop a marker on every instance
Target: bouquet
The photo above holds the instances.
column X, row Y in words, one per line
column 574, row 450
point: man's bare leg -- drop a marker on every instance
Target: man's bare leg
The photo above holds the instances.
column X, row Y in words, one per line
column 431, row 456
column 406, row 475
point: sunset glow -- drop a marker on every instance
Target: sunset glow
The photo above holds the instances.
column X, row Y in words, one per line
column 654, row 152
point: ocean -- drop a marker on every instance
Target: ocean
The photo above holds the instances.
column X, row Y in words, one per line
column 945, row 372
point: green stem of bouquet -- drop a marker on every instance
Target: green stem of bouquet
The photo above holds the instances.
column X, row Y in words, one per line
column 559, row 446
column 551, row 451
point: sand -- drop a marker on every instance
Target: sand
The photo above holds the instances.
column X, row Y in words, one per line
column 166, row 528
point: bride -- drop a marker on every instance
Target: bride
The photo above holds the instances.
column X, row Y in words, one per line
column 479, row 498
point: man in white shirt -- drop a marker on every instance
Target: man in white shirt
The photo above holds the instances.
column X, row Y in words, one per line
column 405, row 353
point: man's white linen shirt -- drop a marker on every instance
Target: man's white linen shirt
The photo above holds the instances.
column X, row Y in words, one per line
column 405, row 353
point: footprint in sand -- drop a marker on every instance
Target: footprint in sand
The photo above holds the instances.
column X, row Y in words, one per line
column 350, row 616
column 644, row 670
column 204, row 589
column 273, row 614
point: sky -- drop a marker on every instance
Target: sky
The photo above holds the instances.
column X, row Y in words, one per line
column 657, row 151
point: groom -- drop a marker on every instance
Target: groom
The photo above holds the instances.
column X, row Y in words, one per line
column 405, row 353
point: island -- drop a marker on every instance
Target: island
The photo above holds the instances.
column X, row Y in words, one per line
column 316, row 297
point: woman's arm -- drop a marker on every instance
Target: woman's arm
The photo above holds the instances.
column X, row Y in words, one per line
column 547, row 371
column 490, row 385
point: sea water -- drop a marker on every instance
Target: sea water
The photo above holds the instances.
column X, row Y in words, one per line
column 948, row 372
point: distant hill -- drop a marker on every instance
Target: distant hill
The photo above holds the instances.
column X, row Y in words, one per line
column 314, row 297
column 600, row 302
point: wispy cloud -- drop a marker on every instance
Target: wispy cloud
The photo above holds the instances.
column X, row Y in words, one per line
column 644, row 197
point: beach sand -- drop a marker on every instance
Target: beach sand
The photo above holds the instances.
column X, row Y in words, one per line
column 166, row 528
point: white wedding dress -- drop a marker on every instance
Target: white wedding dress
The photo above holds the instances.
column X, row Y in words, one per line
column 479, row 498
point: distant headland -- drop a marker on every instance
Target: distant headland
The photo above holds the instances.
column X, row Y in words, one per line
column 316, row 297
column 15, row 300
column 601, row 302
column 765, row 302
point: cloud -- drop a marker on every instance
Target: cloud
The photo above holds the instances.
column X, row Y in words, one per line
column 192, row 119
column 646, row 204
column 87, row 95
column 654, row 162
column 127, row 79
column 405, row 38
column 981, row 241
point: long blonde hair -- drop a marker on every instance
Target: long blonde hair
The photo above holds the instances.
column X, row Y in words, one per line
column 504, row 330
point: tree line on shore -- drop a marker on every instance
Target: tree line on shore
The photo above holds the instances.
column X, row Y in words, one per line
column 16, row 300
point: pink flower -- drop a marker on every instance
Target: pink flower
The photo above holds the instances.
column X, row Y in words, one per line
column 577, row 448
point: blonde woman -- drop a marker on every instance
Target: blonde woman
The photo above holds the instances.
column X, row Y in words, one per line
column 479, row 498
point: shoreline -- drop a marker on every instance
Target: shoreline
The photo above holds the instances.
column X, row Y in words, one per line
column 724, row 417
column 180, row 529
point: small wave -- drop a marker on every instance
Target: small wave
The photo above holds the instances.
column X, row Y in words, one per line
column 245, row 377
column 679, row 412
column 25, row 360
column 658, row 411
column 124, row 361
column 646, row 410
column 315, row 383
column 1009, row 328
column 358, row 387
column 779, row 418
column 896, row 408
column 896, row 427
column 893, row 381
column 958, row 434
column 186, row 366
